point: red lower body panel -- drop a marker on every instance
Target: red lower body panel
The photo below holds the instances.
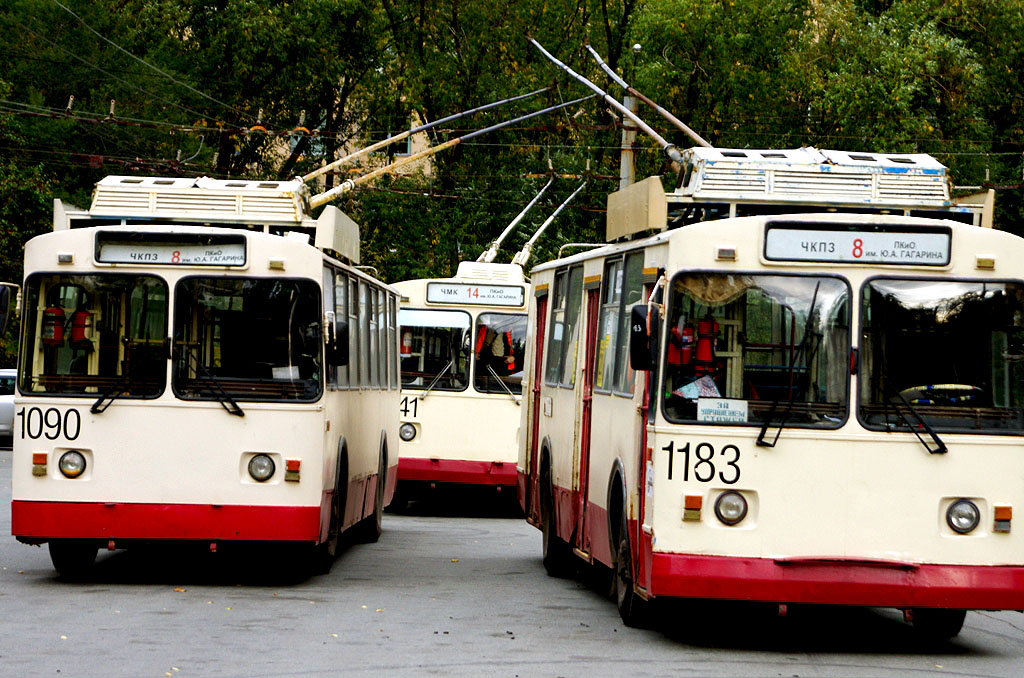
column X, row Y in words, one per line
column 837, row 582
column 70, row 520
column 461, row 472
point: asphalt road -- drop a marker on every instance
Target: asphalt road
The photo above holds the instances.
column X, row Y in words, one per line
column 441, row 594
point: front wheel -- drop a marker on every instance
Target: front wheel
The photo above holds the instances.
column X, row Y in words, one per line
column 73, row 558
column 634, row 610
column 935, row 624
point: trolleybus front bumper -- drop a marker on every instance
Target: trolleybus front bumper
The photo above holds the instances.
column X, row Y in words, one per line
column 458, row 472
column 838, row 582
column 36, row 521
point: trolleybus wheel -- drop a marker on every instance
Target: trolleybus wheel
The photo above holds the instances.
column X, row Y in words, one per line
column 73, row 558
column 369, row 529
column 557, row 557
column 935, row 624
column 634, row 610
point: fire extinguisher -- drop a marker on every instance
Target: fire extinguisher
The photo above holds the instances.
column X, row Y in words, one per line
column 680, row 346
column 53, row 326
column 707, row 332
column 407, row 343
column 81, row 328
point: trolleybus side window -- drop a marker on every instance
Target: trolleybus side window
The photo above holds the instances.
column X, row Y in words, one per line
column 435, row 349
column 364, row 335
column 372, row 307
column 253, row 339
column 622, row 288
column 328, row 287
column 564, row 331
column 382, row 337
column 499, row 350
column 356, row 373
column 93, row 334
column 392, row 341
column 608, row 326
column 341, row 314
column 744, row 349
column 949, row 352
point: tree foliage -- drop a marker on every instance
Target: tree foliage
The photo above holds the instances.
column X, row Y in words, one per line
column 270, row 88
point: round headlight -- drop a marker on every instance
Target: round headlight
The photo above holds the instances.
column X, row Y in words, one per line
column 731, row 507
column 963, row 516
column 72, row 464
column 261, row 467
column 406, row 432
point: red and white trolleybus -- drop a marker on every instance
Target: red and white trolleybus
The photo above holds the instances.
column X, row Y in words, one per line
column 805, row 387
column 462, row 347
column 200, row 360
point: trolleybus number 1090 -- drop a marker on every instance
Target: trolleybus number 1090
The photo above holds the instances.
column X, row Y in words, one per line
column 700, row 460
column 49, row 423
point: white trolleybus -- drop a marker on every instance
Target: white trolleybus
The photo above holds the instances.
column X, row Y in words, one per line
column 818, row 398
column 193, row 368
column 463, row 341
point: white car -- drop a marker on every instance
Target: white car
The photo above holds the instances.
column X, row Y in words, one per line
column 7, row 379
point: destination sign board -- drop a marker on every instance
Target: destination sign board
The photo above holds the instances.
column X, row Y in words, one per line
column 893, row 247
column 172, row 254
column 483, row 295
column 167, row 249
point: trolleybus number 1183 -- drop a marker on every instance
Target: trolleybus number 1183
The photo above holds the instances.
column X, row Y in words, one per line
column 50, row 423
column 702, row 462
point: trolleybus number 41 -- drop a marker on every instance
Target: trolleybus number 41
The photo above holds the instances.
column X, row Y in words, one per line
column 409, row 404
column 702, row 462
column 49, row 423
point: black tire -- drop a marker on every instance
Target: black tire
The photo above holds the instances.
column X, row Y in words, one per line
column 73, row 558
column 369, row 529
column 557, row 556
column 937, row 624
column 325, row 554
column 634, row 610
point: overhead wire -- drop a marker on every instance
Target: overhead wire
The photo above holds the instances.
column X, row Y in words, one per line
column 149, row 65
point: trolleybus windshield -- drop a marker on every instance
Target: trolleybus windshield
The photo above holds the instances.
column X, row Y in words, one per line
column 94, row 334
column 739, row 345
column 500, row 347
column 951, row 351
column 257, row 339
column 435, row 349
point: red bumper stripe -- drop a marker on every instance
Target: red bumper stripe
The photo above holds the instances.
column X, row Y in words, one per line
column 462, row 472
column 838, row 583
column 52, row 520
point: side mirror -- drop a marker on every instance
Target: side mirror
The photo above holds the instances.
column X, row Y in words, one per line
column 5, row 307
column 642, row 346
column 337, row 343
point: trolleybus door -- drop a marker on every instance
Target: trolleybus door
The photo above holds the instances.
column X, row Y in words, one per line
column 586, row 417
column 532, row 499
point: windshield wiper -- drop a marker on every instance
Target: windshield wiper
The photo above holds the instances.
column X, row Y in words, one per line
column 439, row 375
column 503, row 384
column 940, row 447
column 119, row 388
column 226, row 401
column 761, row 442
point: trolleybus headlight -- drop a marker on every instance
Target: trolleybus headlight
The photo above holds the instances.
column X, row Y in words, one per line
column 261, row 467
column 406, row 432
column 963, row 516
column 72, row 464
column 731, row 507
